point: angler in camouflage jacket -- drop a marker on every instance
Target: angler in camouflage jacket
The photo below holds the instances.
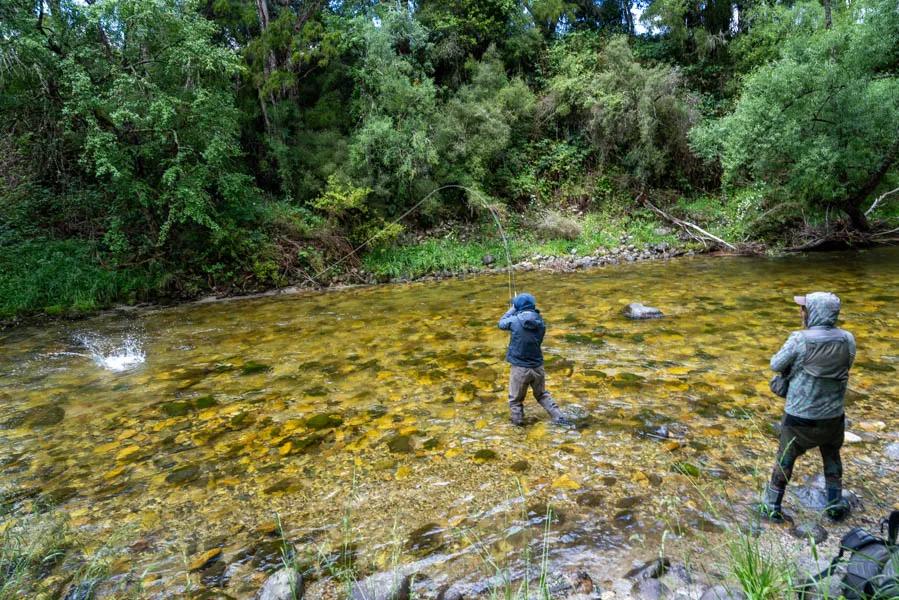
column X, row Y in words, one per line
column 817, row 361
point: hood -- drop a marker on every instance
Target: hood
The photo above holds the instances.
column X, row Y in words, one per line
column 524, row 302
column 530, row 319
column 823, row 309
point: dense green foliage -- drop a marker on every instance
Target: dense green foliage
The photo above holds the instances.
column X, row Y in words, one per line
column 153, row 148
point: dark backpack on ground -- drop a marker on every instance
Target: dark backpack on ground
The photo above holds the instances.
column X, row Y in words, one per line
column 872, row 571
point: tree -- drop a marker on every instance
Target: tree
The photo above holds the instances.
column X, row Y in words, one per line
column 819, row 124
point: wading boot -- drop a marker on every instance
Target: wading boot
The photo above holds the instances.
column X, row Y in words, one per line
column 771, row 508
column 555, row 413
column 517, row 414
column 837, row 507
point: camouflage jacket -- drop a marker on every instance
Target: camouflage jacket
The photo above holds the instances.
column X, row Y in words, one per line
column 809, row 396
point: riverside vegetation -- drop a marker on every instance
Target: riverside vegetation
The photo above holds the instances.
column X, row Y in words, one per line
column 171, row 148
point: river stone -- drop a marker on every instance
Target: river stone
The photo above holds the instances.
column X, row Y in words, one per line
column 639, row 312
column 520, row 466
column 720, row 592
column 485, row 454
column 651, row 589
column 453, row 592
column 650, row 570
column 892, row 451
column 488, row 260
column 44, row 415
column 204, row 560
column 184, row 474
column 400, row 444
column 629, row 501
column 807, row 530
column 851, row 438
column 285, row 584
column 252, row 367
column 323, row 421
column 178, row 408
column 205, row 402
column 814, row 497
column 383, row 586
column 425, row 540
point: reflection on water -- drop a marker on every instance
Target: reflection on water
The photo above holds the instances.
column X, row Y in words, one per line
column 389, row 403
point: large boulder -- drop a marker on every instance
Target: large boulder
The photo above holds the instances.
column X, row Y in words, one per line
column 383, row 586
column 639, row 312
column 286, row 584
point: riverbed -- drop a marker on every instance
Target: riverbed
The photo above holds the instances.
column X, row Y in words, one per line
column 375, row 419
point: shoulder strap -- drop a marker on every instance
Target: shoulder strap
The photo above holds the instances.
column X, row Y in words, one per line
column 892, row 527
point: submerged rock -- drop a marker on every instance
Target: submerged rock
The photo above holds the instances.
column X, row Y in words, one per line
column 178, row 408
column 323, row 421
column 639, row 312
column 184, row 474
column 285, row 584
column 45, row 415
column 520, row 466
column 485, row 454
column 252, row 367
column 383, row 586
column 685, row 468
column 204, row 560
column 400, row 444
column 426, row 539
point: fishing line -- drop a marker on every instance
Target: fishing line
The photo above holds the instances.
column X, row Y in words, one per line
column 478, row 195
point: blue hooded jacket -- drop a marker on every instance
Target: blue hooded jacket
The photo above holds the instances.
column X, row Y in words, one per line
column 528, row 329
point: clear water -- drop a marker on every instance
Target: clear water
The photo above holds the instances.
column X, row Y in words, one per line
column 375, row 416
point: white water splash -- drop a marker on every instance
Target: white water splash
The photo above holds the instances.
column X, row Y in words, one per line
column 111, row 355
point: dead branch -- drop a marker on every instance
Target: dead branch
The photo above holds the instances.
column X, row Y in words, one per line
column 688, row 227
column 879, row 200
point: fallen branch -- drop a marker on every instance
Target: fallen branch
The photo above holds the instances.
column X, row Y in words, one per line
column 879, row 200
column 686, row 225
column 883, row 233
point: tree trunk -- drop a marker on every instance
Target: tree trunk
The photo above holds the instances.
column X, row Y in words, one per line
column 628, row 17
column 853, row 205
column 262, row 11
column 828, row 19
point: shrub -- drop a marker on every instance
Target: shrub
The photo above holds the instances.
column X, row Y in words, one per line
column 555, row 225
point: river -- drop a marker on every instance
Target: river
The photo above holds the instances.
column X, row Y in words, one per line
column 376, row 418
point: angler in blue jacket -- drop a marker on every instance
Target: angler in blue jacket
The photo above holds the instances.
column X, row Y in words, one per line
column 526, row 325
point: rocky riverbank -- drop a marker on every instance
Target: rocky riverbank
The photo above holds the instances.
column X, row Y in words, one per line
column 627, row 252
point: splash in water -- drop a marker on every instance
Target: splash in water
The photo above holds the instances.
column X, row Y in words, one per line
column 113, row 356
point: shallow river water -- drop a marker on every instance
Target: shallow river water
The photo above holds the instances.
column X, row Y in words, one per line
column 376, row 418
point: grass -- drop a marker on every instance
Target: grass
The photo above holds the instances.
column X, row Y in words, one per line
column 61, row 277
column 41, row 556
column 761, row 576
column 597, row 230
column 32, row 546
